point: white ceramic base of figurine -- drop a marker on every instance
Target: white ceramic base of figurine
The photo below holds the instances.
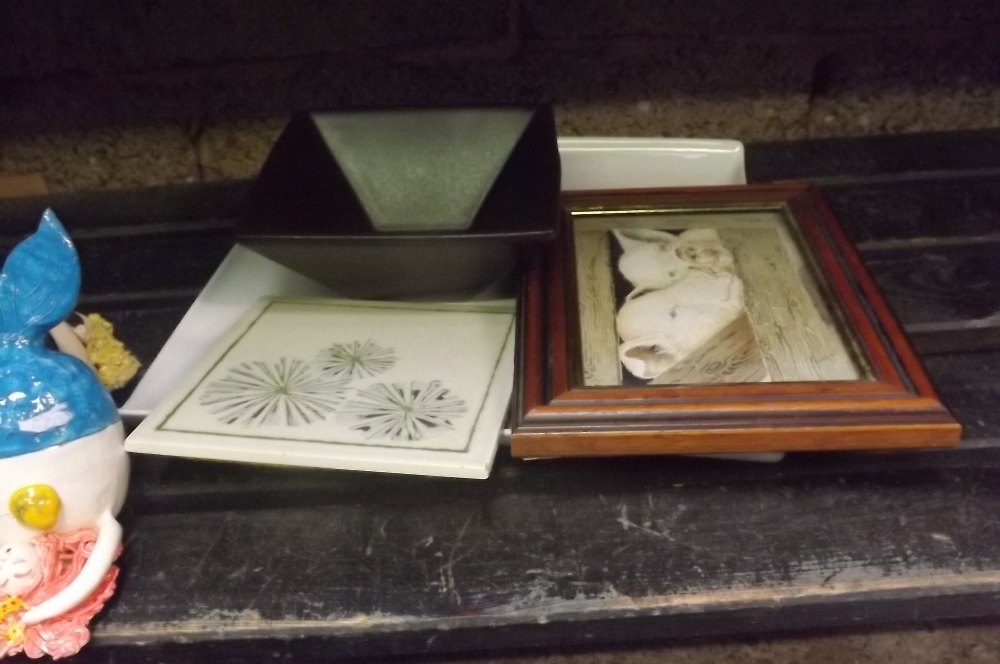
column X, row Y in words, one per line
column 90, row 475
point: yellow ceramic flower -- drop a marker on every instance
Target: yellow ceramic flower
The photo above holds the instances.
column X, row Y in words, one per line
column 9, row 606
column 116, row 366
column 15, row 633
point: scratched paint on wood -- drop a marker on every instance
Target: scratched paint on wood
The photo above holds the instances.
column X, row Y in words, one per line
column 227, row 553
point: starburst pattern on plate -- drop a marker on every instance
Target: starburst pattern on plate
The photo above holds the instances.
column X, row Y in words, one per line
column 286, row 392
column 403, row 411
column 356, row 359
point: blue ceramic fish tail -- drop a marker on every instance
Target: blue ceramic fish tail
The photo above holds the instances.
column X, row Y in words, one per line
column 46, row 398
column 40, row 282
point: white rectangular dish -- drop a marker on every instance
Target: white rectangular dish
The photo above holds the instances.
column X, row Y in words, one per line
column 377, row 386
column 641, row 163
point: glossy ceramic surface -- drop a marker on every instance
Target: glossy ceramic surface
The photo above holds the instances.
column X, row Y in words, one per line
column 392, row 387
column 638, row 163
column 46, row 398
column 63, row 468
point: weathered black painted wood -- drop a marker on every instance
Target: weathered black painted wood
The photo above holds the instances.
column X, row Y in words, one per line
column 969, row 384
column 168, row 485
column 176, row 206
column 856, row 158
column 628, row 543
column 939, row 282
column 944, row 291
column 241, row 560
column 156, row 262
column 895, row 609
column 919, row 207
column 144, row 258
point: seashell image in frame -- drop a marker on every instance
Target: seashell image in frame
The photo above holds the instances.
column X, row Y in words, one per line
column 699, row 297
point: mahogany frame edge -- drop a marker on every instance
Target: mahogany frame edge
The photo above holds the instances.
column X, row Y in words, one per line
column 900, row 410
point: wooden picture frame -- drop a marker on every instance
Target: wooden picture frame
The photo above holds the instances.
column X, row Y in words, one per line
column 712, row 320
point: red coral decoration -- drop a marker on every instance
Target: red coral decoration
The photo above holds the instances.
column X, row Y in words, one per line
column 62, row 556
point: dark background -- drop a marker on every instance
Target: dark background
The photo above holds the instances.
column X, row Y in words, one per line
column 108, row 93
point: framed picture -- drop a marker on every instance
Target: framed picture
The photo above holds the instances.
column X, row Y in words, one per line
column 714, row 320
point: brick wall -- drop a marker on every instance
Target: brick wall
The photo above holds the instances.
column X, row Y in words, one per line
column 103, row 93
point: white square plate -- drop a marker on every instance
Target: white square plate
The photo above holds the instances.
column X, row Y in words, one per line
column 381, row 386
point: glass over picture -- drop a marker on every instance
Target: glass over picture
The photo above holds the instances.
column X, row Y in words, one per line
column 703, row 297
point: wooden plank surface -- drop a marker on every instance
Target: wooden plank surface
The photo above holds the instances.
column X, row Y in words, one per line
column 918, row 207
column 631, row 537
column 596, row 293
column 575, row 551
column 798, row 342
column 872, row 157
column 731, row 356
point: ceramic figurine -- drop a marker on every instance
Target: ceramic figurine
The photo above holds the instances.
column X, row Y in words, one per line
column 63, row 468
column 685, row 291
